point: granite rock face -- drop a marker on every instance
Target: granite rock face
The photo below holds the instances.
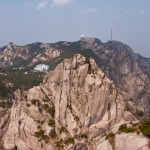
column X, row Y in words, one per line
column 128, row 70
column 71, row 110
column 28, row 55
column 124, row 142
column 130, row 141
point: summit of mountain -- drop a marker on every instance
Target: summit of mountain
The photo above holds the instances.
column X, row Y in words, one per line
column 128, row 70
column 76, row 107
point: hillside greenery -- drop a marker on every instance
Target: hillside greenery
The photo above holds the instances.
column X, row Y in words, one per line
column 18, row 80
column 145, row 127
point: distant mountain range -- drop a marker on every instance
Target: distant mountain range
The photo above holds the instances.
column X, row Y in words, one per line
column 95, row 96
column 128, row 70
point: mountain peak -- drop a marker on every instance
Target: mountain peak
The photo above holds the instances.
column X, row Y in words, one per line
column 77, row 102
column 11, row 45
column 78, row 105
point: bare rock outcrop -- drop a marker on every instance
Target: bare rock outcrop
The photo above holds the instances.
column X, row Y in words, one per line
column 131, row 141
column 124, row 141
column 16, row 56
column 128, row 70
column 72, row 109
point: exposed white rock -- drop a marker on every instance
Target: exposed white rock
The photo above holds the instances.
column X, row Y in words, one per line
column 87, row 105
column 105, row 145
column 124, row 141
column 127, row 116
column 49, row 54
column 131, row 141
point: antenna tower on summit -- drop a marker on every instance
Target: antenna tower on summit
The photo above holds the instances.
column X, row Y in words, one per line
column 111, row 35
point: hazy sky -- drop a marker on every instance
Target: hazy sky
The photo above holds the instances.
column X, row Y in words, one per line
column 28, row 21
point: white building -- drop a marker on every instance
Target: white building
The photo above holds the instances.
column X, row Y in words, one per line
column 41, row 67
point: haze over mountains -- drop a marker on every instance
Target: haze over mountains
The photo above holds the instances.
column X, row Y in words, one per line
column 91, row 90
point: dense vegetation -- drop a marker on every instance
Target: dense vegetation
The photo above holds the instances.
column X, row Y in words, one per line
column 26, row 81
column 51, row 123
column 12, row 80
column 141, row 127
column 145, row 127
column 6, row 104
column 124, row 128
column 3, row 91
column 40, row 134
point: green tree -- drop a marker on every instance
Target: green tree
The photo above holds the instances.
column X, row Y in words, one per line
column 145, row 127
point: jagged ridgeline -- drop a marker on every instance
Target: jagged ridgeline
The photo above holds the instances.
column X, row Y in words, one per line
column 30, row 55
column 76, row 107
column 129, row 71
column 16, row 60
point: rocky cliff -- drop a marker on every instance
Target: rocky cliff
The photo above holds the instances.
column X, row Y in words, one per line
column 128, row 70
column 77, row 107
column 28, row 55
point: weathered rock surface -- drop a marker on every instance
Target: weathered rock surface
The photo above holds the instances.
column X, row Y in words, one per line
column 105, row 145
column 131, row 141
column 72, row 109
column 124, row 141
column 22, row 126
column 129, row 71
column 16, row 56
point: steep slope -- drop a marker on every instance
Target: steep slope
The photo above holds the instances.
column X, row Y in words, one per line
column 129, row 71
column 24, row 56
column 75, row 107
